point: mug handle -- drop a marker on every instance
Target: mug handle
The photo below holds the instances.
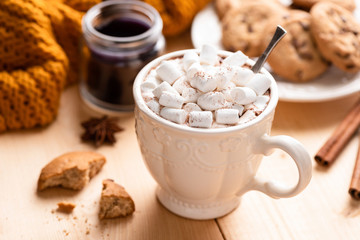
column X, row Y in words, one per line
column 300, row 156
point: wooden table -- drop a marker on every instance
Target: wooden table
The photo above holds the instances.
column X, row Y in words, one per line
column 323, row 211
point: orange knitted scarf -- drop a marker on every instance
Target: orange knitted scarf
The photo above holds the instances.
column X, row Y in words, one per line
column 39, row 53
column 38, row 44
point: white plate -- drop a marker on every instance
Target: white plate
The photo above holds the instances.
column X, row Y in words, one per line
column 333, row 84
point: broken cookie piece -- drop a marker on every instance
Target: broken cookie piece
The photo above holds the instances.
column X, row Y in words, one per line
column 71, row 170
column 65, row 207
column 115, row 201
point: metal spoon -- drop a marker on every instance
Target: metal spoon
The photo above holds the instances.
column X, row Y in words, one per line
column 278, row 35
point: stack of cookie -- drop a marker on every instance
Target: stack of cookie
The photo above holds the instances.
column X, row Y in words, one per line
column 319, row 33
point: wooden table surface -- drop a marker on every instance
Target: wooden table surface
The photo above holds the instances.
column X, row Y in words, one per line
column 323, row 210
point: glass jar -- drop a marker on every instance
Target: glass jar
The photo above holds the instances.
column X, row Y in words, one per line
column 119, row 38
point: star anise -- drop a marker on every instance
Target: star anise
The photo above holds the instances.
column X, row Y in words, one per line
column 100, row 130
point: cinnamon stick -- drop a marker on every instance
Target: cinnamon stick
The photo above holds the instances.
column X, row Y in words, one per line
column 340, row 137
column 354, row 189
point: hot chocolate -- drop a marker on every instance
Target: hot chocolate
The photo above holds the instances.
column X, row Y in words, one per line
column 206, row 90
column 208, row 158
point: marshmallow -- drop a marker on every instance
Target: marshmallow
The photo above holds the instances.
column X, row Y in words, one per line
column 240, row 108
column 147, row 86
column 227, row 116
column 261, row 102
column 189, row 107
column 153, row 77
column 227, row 105
column 148, row 96
column 242, row 76
column 194, row 69
column 201, row 119
column 243, row 95
column 208, row 55
column 190, row 95
column 211, row 101
column 247, row 116
column 169, row 71
column 227, row 91
column 153, row 73
column 169, row 99
column 180, row 84
column 236, row 59
column 223, row 77
column 227, row 94
column 203, row 81
column 259, row 83
column 174, row 115
column 154, row 106
column 201, row 90
column 164, row 86
column 250, row 107
column 189, row 58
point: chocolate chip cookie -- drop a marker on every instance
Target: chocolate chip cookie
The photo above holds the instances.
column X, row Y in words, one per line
column 337, row 34
column 243, row 28
column 307, row 4
column 296, row 57
column 224, row 6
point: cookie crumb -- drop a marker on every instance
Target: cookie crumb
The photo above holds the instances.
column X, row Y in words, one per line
column 65, row 207
column 66, row 232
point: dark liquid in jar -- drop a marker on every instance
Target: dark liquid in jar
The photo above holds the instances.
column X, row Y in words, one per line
column 123, row 27
column 110, row 79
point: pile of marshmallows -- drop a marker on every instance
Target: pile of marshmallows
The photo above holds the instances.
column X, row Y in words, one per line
column 206, row 91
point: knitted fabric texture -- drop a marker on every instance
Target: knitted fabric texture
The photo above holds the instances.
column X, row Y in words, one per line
column 177, row 15
column 38, row 44
column 39, row 53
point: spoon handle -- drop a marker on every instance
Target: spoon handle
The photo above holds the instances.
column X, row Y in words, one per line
column 278, row 35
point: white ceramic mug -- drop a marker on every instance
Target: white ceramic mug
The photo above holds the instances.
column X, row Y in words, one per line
column 202, row 173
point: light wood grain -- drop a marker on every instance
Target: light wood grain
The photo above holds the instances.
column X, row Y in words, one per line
column 323, row 211
column 26, row 214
